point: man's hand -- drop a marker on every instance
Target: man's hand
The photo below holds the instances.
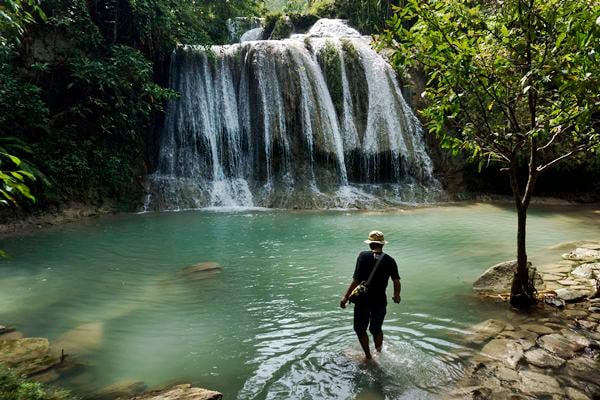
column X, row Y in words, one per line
column 397, row 299
column 343, row 302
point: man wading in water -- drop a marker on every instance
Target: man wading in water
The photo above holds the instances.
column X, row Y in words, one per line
column 370, row 310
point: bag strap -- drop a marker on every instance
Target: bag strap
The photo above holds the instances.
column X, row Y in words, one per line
column 375, row 268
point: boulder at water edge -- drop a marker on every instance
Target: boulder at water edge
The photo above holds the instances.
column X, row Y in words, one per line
column 498, row 279
column 181, row 392
column 27, row 356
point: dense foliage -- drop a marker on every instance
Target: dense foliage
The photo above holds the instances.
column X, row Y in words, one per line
column 81, row 84
column 368, row 16
column 509, row 82
column 15, row 388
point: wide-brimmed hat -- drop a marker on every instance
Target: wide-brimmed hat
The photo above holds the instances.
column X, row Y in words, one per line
column 376, row 237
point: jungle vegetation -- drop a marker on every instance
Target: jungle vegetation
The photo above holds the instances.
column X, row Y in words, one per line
column 81, row 83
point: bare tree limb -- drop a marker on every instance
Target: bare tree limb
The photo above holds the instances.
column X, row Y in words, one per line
column 576, row 150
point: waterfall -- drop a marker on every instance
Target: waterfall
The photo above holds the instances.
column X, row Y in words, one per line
column 314, row 121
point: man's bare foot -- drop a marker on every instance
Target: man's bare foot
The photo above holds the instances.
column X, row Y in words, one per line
column 379, row 349
column 368, row 356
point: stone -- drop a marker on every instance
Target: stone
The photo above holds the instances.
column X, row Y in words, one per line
column 576, row 338
column 204, row 270
column 27, row 356
column 506, row 374
column 510, row 352
column 498, row 279
column 80, row 340
column 543, row 359
column 520, row 335
column 539, row 329
column 594, row 309
column 586, row 271
column 554, row 301
column 181, row 392
column 590, row 389
column 582, row 254
column 558, row 269
column 594, row 317
column 558, row 344
column 120, row 390
column 570, row 294
column 11, row 335
column 583, row 368
column 539, row 384
column 589, row 325
column 574, row 394
column 580, row 313
column 567, row 282
column 484, row 331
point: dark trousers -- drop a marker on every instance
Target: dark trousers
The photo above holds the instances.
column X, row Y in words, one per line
column 368, row 315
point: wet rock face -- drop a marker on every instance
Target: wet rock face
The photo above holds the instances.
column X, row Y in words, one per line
column 484, row 331
column 313, row 121
column 27, row 356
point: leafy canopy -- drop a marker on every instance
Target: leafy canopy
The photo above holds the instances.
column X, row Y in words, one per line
column 505, row 78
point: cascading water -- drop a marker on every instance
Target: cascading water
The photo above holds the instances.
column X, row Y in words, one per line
column 317, row 120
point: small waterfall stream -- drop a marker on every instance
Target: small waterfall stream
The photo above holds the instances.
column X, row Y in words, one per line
column 314, row 121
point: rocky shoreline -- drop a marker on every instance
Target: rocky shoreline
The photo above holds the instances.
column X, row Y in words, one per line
column 15, row 222
column 39, row 360
column 553, row 352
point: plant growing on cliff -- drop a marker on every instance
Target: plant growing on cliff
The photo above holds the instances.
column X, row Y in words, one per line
column 513, row 83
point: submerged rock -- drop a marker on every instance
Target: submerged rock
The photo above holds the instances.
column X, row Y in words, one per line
column 203, row 270
column 484, row 331
column 120, row 390
column 498, row 279
column 27, row 356
column 510, row 352
column 80, row 340
column 181, row 392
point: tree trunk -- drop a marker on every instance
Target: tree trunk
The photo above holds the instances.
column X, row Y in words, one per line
column 522, row 291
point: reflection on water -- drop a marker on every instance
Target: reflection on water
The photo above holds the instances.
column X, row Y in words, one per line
column 247, row 303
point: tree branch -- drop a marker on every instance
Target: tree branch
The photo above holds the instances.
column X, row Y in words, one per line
column 576, row 150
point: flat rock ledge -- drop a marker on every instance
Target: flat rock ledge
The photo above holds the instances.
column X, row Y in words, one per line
column 180, row 392
column 37, row 359
column 550, row 359
column 550, row 353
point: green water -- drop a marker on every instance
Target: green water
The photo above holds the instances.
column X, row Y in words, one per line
column 268, row 325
